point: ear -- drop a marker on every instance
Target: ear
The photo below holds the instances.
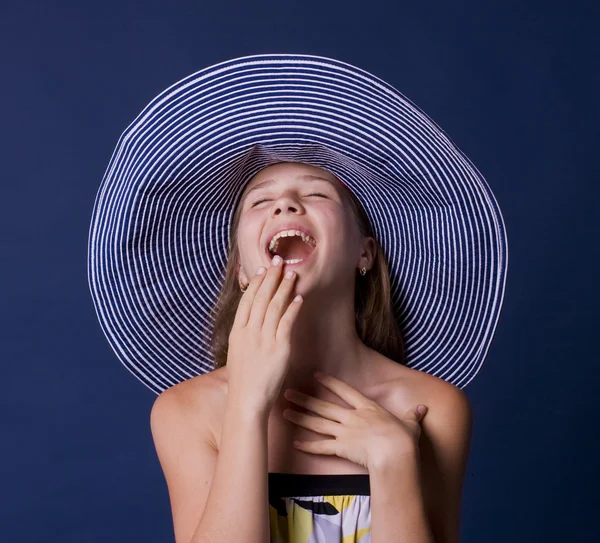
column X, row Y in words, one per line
column 242, row 278
column 367, row 258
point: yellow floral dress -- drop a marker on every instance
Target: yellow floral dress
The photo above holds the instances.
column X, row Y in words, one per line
column 319, row 508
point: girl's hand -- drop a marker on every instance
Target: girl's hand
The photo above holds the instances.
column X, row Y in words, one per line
column 259, row 342
column 364, row 435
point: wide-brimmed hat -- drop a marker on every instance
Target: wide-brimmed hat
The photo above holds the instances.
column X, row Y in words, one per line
column 159, row 233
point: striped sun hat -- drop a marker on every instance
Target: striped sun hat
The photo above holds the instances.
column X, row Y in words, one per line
column 159, row 233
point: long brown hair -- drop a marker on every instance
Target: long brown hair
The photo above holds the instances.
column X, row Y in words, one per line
column 376, row 325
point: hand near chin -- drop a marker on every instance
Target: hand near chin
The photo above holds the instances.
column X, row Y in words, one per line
column 259, row 351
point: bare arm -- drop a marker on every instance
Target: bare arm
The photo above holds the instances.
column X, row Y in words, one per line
column 216, row 497
column 237, row 508
column 223, row 497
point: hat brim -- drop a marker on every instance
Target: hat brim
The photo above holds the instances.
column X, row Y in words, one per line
column 159, row 232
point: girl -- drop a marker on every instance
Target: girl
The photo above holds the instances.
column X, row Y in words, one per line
column 255, row 446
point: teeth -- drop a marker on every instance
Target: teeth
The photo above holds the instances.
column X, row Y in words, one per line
column 293, row 261
column 286, row 233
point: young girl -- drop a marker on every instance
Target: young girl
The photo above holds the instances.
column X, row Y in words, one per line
column 255, row 446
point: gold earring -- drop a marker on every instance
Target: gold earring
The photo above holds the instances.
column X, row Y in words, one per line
column 363, row 271
column 243, row 289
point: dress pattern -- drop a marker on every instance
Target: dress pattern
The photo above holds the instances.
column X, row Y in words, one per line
column 319, row 508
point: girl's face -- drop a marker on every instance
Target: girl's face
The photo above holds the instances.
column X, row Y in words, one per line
column 311, row 198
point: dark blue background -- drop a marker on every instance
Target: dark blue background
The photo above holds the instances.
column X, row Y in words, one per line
column 515, row 84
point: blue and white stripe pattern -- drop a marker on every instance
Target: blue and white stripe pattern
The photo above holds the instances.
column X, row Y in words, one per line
column 158, row 237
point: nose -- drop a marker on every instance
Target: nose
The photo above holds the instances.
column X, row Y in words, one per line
column 288, row 203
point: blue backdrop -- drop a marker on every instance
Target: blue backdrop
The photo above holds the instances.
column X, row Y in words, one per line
column 515, row 84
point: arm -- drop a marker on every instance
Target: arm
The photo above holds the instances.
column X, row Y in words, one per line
column 417, row 498
column 397, row 505
column 215, row 497
column 237, row 510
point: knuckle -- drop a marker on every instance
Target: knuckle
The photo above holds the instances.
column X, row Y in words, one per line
column 277, row 303
column 284, row 322
column 260, row 298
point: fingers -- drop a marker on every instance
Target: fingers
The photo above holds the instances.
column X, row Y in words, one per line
column 342, row 389
column 267, row 294
column 279, row 304
column 284, row 328
column 264, row 294
column 245, row 306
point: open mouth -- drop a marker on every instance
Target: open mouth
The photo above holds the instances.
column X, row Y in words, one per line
column 292, row 248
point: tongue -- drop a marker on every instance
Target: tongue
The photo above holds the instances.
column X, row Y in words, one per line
column 293, row 247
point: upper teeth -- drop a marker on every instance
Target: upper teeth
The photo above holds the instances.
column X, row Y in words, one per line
column 285, row 233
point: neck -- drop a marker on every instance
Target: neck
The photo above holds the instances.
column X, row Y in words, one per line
column 324, row 338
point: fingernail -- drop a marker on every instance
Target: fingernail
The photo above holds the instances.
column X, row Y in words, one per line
column 276, row 260
column 289, row 274
column 261, row 270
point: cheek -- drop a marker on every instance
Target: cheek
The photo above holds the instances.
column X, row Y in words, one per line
column 337, row 226
column 244, row 227
column 248, row 238
column 345, row 234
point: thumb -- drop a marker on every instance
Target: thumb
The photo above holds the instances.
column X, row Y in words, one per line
column 417, row 413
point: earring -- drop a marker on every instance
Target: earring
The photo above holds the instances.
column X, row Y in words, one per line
column 243, row 289
column 363, row 271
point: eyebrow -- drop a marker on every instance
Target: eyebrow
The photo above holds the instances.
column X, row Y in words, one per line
column 304, row 177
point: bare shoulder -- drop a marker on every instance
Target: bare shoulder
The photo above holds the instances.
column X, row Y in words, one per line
column 405, row 387
column 193, row 403
column 444, row 443
column 182, row 429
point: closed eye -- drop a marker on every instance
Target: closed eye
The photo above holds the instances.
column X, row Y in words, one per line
column 266, row 199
